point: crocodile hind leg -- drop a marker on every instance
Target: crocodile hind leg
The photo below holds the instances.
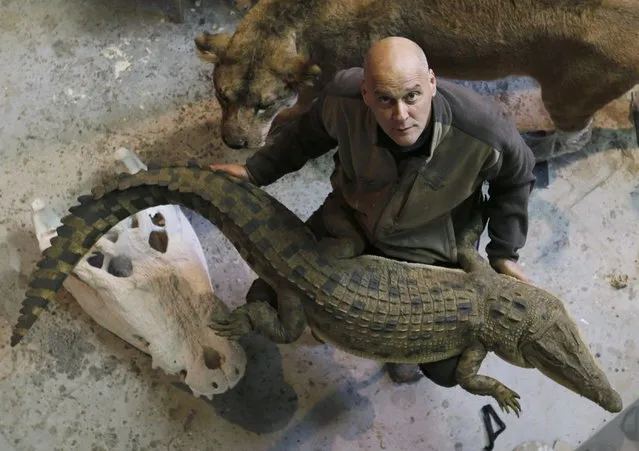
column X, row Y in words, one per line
column 284, row 325
column 261, row 291
column 468, row 379
column 338, row 234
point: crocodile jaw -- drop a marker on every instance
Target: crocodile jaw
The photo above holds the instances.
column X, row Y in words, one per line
column 561, row 354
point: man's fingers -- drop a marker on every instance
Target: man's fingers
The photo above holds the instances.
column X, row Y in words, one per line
column 510, row 268
column 515, row 270
column 236, row 170
column 519, row 276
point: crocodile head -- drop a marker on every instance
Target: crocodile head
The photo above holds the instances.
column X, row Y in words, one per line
column 561, row 354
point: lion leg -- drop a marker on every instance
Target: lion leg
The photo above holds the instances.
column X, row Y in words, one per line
column 572, row 99
column 288, row 115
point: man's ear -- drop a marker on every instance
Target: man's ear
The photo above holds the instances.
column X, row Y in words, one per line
column 299, row 70
column 433, row 82
column 362, row 89
column 211, row 47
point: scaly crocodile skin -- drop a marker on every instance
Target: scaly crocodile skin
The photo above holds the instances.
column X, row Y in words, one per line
column 369, row 306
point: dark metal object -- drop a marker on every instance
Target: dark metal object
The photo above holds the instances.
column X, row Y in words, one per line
column 487, row 412
column 542, row 174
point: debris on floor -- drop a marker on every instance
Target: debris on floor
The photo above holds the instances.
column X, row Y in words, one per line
column 617, row 281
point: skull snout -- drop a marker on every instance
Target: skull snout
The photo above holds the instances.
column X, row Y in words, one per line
column 220, row 375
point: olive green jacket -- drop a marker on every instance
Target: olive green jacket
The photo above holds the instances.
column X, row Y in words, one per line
column 411, row 208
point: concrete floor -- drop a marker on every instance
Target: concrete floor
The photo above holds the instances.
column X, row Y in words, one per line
column 78, row 80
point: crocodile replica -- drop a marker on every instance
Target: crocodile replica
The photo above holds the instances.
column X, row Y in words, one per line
column 369, row 306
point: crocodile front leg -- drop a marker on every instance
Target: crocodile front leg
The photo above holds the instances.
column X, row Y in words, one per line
column 467, row 377
column 284, row 325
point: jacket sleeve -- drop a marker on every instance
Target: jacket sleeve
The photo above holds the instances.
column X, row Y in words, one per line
column 507, row 207
column 302, row 140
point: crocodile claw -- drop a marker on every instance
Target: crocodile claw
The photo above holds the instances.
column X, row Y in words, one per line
column 507, row 400
column 232, row 326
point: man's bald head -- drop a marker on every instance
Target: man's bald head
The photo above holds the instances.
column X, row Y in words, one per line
column 393, row 54
column 398, row 87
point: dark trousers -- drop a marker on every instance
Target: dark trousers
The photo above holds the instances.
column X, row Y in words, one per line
column 441, row 373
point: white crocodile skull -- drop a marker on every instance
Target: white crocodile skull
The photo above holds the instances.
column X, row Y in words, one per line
column 146, row 280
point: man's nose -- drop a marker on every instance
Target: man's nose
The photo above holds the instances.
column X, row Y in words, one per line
column 400, row 111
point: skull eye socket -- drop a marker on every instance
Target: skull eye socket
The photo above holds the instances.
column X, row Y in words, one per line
column 96, row 259
column 158, row 220
column 120, row 266
column 159, row 241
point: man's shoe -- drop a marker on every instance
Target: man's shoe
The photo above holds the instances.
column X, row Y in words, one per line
column 404, row 373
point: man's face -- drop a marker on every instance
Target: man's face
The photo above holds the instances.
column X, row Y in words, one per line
column 401, row 102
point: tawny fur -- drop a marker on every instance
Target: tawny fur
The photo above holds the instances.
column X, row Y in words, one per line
column 584, row 54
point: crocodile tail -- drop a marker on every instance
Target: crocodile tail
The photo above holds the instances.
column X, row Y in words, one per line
column 210, row 193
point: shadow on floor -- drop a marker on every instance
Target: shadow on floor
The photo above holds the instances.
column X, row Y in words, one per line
column 621, row 434
column 262, row 402
column 332, row 410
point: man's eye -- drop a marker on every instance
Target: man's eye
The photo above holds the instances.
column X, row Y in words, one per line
column 383, row 99
column 412, row 96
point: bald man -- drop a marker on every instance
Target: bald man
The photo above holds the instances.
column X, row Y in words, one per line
column 412, row 157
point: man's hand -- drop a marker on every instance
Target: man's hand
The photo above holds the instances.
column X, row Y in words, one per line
column 234, row 169
column 509, row 268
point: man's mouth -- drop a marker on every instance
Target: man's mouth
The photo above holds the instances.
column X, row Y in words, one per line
column 403, row 129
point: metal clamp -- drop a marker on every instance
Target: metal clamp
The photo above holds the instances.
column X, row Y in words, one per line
column 488, row 411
